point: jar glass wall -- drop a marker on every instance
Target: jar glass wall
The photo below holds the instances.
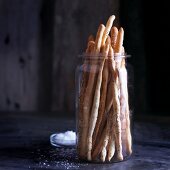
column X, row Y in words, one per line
column 103, row 113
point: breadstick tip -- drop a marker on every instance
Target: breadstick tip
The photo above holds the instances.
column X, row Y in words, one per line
column 114, row 28
column 112, row 17
column 108, row 28
column 90, row 43
column 91, row 38
column 90, row 46
column 101, row 26
column 119, row 41
column 99, row 36
column 108, row 40
column 121, row 29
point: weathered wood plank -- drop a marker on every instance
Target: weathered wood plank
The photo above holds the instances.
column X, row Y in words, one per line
column 19, row 33
column 39, row 45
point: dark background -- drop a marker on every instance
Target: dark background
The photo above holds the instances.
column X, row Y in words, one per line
column 147, row 26
column 40, row 42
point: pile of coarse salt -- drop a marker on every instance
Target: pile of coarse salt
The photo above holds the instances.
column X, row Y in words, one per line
column 67, row 138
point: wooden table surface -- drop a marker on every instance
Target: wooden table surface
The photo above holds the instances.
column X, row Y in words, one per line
column 25, row 144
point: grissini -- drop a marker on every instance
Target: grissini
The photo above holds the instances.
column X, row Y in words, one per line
column 125, row 106
column 108, row 120
column 101, row 110
column 105, row 143
column 114, row 33
column 111, row 142
column 116, row 102
column 97, row 149
column 81, row 116
column 109, row 101
column 123, row 89
column 99, row 36
column 96, row 100
column 102, row 101
column 110, row 146
column 91, row 38
column 119, row 41
column 116, row 120
column 108, row 28
column 89, row 92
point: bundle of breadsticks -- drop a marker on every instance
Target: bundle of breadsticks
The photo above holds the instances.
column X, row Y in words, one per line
column 103, row 109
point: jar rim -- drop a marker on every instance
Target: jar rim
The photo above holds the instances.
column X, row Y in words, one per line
column 101, row 55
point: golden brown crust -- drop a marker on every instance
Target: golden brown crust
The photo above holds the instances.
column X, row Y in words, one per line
column 119, row 41
column 107, row 29
column 99, row 35
column 114, row 33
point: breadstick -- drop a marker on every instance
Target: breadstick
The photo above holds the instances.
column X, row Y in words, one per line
column 83, row 117
column 124, row 111
column 101, row 111
column 89, row 92
column 123, row 89
column 107, row 29
column 105, row 143
column 109, row 119
column 100, row 131
column 96, row 100
column 116, row 110
column 111, row 143
column 116, row 120
column 109, row 97
column 116, row 102
column 102, row 100
column 109, row 101
column 91, row 38
column 99, row 36
column 114, row 33
column 97, row 149
column 103, row 122
column 125, row 105
column 119, row 42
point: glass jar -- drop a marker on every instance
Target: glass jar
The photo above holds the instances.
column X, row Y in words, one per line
column 103, row 116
